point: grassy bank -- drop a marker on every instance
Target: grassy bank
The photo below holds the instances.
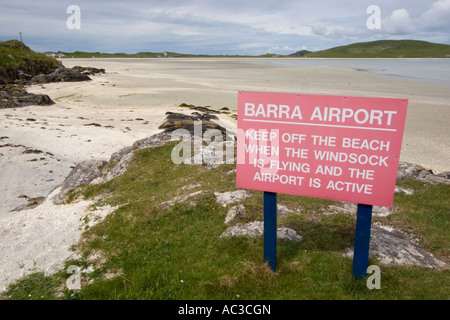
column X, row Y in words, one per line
column 17, row 58
column 386, row 49
column 149, row 249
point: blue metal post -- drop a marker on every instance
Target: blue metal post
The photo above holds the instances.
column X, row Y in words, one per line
column 362, row 241
column 270, row 229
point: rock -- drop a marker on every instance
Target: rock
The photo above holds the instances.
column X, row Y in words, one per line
column 407, row 171
column 14, row 96
column 211, row 142
column 61, row 74
column 124, row 156
column 382, row 211
column 184, row 198
column 234, row 212
column 120, row 167
column 31, row 203
column 156, row 140
column 428, row 176
column 351, row 208
column 82, row 174
column 412, row 171
column 288, row 234
column 201, row 109
column 226, row 198
column 404, row 190
column 191, row 186
column 116, row 156
column 176, row 121
column 283, row 211
column 217, row 153
column 255, row 229
column 445, row 175
column 396, row 248
column 252, row 229
column 88, row 70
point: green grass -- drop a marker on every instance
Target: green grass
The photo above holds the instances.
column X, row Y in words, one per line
column 14, row 55
column 386, row 49
column 175, row 252
column 373, row 49
column 426, row 214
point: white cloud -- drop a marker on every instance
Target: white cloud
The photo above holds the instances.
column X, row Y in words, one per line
column 437, row 17
column 398, row 23
column 218, row 26
column 285, row 49
column 320, row 28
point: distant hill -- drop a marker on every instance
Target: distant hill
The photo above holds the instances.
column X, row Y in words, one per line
column 386, row 49
column 374, row 49
column 301, row 53
column 82, row 54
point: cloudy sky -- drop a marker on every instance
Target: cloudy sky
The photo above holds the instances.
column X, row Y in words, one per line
column 219, row 27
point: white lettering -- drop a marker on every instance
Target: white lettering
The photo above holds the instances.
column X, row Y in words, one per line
column 73, row 21
column 360, row 116
column 374, row 21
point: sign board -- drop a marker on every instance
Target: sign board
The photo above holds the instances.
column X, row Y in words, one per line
column 331, row 147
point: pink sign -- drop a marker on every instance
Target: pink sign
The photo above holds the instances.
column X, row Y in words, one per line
column 331, row 147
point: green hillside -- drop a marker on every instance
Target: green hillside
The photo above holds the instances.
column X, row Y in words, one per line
column 17, row 58
column 301, row 53
column 386, row 49
column 82, row 54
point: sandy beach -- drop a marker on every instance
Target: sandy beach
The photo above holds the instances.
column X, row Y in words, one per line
column 92, row 120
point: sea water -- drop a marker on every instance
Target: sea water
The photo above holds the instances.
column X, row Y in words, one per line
column 433, row 70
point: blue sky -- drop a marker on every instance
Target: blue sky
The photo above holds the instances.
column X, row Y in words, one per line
column 251, row 27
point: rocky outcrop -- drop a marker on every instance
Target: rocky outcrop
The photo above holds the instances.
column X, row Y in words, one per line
column 20, row 63
column 20, row 66
column 90, row 71
column 351, row 209
column 83, row 174
column 176, row 121
column 14, row 96
column 60, row 75
column 234, row 212
column 122, row 158
column 30, row 204
column 226, row 198
column 412, row 171
column 255, row 229
column 63, row 74
column 396, row 248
